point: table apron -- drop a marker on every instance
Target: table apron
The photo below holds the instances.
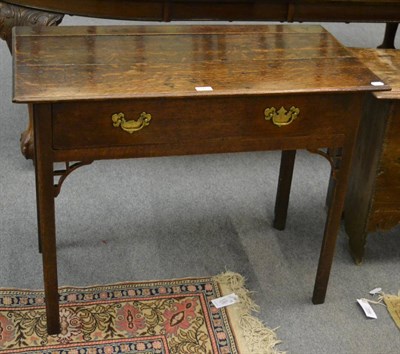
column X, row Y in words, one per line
column 208, row 147
column 200, row 125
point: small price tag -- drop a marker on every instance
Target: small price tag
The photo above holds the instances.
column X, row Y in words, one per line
column 375, row 291
column 369, row 312
column 377, row 83
column 203, row 88
column 225, row 300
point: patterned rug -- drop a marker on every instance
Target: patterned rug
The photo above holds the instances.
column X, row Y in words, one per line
column 393, row 305
column 157, row 317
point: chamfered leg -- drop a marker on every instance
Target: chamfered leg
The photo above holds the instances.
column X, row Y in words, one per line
column 338, row 186
column 284, row 185
column 336, row 156
column 46, row 213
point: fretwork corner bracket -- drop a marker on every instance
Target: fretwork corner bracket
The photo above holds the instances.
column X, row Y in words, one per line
column 63, row 174
column 334, row 157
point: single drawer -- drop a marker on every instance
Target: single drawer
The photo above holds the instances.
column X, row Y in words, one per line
column 195, row 120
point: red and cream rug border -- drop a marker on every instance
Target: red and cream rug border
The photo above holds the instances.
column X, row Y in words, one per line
column 140, row 316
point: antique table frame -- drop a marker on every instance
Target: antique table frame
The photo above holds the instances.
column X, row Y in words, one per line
column 272, row 69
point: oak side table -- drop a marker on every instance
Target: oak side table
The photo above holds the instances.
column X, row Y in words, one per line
column 373, row 198
column 143, row 91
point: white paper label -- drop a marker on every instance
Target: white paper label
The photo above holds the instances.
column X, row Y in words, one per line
column 375, row 291
column 369, row 312
column 203, row 88
column 377, row 83
column 225, row 300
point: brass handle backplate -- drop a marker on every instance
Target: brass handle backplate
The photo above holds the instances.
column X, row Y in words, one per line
column 131, row 126
column 282, row 116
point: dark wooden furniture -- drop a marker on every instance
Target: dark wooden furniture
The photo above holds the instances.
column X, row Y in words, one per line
column 230, row 10
column 273, row 87
column 50, row 12
column 373, row 200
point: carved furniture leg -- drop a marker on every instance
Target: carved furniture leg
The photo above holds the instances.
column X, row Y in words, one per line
column 13, row 15
column 46, row 214
column 283, row 192
column 390, row 35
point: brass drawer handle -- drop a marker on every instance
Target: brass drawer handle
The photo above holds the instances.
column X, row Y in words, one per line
column 282, row 116
column 131, row 126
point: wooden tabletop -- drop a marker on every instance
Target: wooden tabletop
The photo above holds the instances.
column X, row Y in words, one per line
column 386, row 64
column 86, row 63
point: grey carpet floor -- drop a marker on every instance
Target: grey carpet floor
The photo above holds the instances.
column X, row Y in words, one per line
column 197, row 216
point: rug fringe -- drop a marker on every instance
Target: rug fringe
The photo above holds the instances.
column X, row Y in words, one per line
column 393, row 306
column 257, row 338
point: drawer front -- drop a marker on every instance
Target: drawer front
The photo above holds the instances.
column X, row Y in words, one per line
column 82, row 125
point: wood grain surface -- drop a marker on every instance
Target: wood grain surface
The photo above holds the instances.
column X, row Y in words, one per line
column 386, row 64
column 74, row 63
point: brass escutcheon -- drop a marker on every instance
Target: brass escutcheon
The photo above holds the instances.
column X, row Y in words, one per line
column 282, row 116
column 131, row 126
